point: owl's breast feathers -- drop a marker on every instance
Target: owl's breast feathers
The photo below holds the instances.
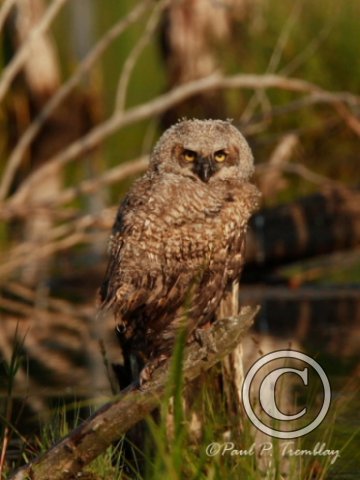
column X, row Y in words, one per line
column 172, row 236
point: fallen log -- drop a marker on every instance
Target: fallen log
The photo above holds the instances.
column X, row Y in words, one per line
column 68, row 457
column 317, row 224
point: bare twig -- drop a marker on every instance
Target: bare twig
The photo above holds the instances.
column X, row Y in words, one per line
column 116, row 174
column 80, row 228
column 271, row 180
column 342, row 109
column 49, row 317
column 28, row 136
column 309, row 50
column 283, row 150
column 134, row 167
column 5, row 10
column 259, row 97
column 86, row 187
column 163, row 102
column 96, row 434
column 44, row 251
column 309, row 175
column 350, row 119
column 135, row 54
column 301, row 171
column 55, row 304
column 283, row 38
column 17, row 62
column 61, row 237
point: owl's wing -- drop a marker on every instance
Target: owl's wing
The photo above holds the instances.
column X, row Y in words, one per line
column 124, row 282
column 107, row 292
column 160, row 250
column 114, row 278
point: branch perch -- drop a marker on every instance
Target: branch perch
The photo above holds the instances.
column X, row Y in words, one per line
column 68, row 457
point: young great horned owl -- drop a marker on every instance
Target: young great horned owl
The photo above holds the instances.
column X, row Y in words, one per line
column 178, row 239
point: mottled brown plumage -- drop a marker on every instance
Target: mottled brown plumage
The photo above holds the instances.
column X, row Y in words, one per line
column 178, row 238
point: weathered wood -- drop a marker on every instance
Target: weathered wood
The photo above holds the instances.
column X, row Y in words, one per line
column 96, row 434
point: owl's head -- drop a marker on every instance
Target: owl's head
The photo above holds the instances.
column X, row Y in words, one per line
column 204, row 150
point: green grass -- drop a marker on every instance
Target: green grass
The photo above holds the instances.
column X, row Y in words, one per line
column 8, row 370
column 176, row 450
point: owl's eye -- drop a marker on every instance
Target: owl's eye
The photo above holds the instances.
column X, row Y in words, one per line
column 220, row 156
column 189, row 155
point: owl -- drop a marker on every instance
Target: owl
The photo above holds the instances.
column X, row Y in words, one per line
column 178, row 240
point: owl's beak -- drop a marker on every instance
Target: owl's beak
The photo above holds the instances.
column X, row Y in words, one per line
column 204, row 168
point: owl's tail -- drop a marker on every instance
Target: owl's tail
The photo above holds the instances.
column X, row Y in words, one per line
column 127, row 373
column 134, row 444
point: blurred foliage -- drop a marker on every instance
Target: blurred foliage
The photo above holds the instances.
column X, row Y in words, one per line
column 316, row 41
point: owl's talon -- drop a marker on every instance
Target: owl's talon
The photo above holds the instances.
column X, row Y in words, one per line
column 205, row 339
column 145, row 375
column 147, row 372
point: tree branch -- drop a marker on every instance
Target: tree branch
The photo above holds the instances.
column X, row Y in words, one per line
column 112, row 420
column 162, row 103
column 5, row 10
column 135, row 53
column 86, row 187
column 88, row 62
column 17, row 62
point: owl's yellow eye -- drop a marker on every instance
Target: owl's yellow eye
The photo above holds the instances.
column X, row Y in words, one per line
column 189, row 155
column 220, row 156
